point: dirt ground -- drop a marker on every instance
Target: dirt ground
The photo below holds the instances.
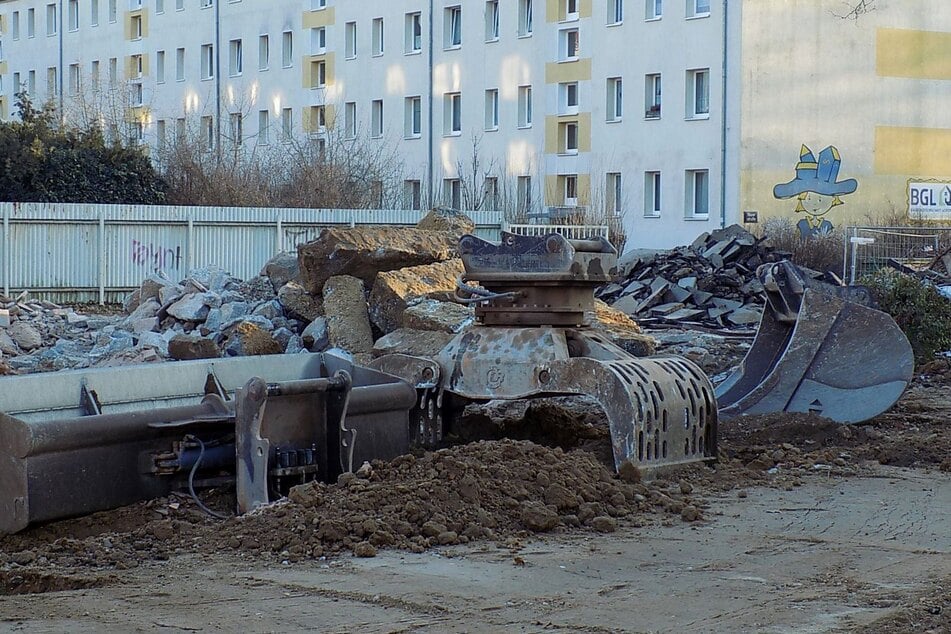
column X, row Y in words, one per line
column 802, row 525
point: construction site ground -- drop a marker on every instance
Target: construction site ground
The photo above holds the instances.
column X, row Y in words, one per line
column 802, row 526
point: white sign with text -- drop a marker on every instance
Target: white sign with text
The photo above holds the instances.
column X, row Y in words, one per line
column 929, row 200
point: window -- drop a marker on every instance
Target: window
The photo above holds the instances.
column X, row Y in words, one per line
column 235, row 58
column 414, row 33
column 698, row 94
column 569, row 137
column 655, row 9
column 697, row 193
column 136, row 94
column 490, row 193
column 31, row 82
column 73, row 79
column 318, row 119
column 72, row 13
column 235, row 128
column 113, row 11
column 51, row 81
column 492, row 109
column 376, row 118
column 452, row 113
column 17, row 85
column 491, row 20
column 135, row 23
column 412, row 194
column 377, row 36
column 136, row 66
column 263, row 52
column 160, row 133
column 15, row 25
column 160, row 6
column 568, row 98
column 376, row 194
column 287, row 49
column 94, row 73
column 206, row 3
column 287, row 123
column 180, row 128
column 350, row 119
column 137, row 134
column 94, row 12
column 264, row 125
column 50, row 19
column 652, row 91
column 318, row 40
column 613, row 198
column 524, row 106
column 350, row 40
column 698, row 8
column 160, row 67
column 31, row 23
column 208, row 132
column 615, row 11
column 317, row 5
column 569, row 44
column 413, row 118
column 113, row 71
column 571, row 190
column 525, row 16
column 571, row 10
column 179, row 5
column 180, row 64
column 318, row 74
column 452, row 27
column 615, row 99
column 207, row 61
column 453, row 193
column 652, row 194
column 524, row 193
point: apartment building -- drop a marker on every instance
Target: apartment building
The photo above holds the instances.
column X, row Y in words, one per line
column 614, row 110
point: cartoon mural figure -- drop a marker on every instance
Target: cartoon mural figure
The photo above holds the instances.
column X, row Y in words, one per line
column 816, row 190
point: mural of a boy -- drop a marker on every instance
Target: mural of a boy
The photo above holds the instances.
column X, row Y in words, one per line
column 816, row 189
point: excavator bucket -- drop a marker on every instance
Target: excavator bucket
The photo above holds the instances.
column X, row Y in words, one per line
column 820, row 349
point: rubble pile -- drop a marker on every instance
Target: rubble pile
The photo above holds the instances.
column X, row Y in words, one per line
column 712, row 282
column 363, row 291
column 40, row 335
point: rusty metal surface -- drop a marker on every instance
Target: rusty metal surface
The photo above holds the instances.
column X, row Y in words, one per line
column 821, row 349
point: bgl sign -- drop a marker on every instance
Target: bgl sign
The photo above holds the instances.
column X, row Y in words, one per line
column 929, row 200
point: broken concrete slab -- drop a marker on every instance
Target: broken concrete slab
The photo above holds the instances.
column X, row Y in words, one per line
column 298, row 303
column 449, row 220
column 363, row 252
column 430, row 314
column 393, row 290
column 345, row 307
column 282, row 268
column 417, row 343
column 189, row 347
column 25, row 336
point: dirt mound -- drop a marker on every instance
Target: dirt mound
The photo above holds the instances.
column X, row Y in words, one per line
column 32, row 582
column 484, row 490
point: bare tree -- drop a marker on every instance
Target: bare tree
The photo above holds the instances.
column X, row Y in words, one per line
column 854, row 9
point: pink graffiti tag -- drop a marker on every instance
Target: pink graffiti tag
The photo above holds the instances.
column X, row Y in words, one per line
column 156, row 256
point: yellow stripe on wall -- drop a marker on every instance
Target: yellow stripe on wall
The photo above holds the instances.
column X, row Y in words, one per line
column 913, row 151
column 914, row 54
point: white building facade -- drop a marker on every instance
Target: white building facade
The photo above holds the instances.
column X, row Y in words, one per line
column 611, row 110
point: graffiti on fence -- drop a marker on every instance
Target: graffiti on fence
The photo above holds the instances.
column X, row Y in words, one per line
column 156, row 256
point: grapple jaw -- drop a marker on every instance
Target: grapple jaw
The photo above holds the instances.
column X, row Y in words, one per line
column 532, row 340
column 820, row 349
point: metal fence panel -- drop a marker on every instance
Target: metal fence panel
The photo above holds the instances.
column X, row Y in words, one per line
column 868, row 249
column 79, row 252
column 571, row 232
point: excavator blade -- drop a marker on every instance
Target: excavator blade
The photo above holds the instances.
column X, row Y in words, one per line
column 818, row 350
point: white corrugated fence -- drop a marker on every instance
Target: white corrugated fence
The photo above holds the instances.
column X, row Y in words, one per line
column 78, row 252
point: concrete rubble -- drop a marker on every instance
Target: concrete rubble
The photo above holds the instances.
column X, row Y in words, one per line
column 711, row 282
column 364, row 291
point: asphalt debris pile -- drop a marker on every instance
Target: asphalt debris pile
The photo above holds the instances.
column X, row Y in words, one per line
column 711, row 282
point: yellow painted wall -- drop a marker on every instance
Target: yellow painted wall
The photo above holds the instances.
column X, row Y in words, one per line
column 876, row 88
column 128, row 22
column 313, row 19
column 557, row 72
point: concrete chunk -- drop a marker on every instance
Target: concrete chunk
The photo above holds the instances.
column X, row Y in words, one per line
column 345, row 307
column 393, row 290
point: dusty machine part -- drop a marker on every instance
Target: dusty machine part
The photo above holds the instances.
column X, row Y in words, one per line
column 76, row 442
column 532, row 339
column 821, row 349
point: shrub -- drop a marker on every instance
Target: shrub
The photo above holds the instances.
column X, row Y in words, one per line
column 918, row 308
column 820, row 253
